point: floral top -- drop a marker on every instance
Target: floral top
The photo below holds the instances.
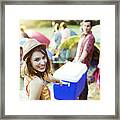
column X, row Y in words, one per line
column 36, row 88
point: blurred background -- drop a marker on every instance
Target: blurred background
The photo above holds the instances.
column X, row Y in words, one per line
column 46, row 26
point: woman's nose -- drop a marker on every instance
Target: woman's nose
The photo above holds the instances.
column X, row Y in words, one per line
column 42, row 62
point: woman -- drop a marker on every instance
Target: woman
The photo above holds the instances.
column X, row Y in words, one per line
column 37, row 71
column 57, row 35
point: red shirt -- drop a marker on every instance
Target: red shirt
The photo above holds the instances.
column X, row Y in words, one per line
column 87, row 44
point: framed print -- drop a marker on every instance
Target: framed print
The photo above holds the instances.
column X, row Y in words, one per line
column 43, row 41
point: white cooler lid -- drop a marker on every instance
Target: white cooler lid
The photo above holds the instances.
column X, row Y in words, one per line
column 71, row 71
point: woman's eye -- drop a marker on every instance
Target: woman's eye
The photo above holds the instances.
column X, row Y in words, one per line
column 43, row 57
column 37, row 59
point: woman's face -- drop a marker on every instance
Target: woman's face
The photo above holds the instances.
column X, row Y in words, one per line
column 38, row 61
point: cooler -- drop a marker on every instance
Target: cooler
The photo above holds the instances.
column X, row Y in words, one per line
column 73, row 77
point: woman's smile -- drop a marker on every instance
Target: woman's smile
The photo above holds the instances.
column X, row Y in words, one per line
column 41, row 67
column 39, row 61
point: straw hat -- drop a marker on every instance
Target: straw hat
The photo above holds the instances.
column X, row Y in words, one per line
column 23, row 41
column 30, row 45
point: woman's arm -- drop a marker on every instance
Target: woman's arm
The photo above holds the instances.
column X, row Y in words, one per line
column 35, row 87
column 50, row 78
column 53, row 79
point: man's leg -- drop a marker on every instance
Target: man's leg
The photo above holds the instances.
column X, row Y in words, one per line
column 83, row 95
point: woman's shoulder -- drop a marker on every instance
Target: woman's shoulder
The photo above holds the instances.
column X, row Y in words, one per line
column 36, row 81
column 33, row 78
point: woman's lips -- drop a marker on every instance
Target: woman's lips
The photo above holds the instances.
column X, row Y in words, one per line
column 41, row 67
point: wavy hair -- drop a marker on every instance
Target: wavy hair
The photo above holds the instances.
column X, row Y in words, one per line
column 30, row 70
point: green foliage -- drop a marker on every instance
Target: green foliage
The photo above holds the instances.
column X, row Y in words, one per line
column 36, row 23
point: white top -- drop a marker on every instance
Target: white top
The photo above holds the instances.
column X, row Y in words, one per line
column 65, row 34
column 71, row 71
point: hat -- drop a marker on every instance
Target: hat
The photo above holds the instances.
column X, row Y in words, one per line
column 23, row 41
column 40, row 38
column 30, row 45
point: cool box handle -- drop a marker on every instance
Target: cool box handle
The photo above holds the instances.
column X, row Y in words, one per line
column 63, row 83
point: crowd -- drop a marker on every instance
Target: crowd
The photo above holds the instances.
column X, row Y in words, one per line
column 36, row 69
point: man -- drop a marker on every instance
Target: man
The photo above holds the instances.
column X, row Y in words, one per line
column 85, row 51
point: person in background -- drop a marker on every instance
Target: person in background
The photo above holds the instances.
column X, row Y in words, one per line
column 85, row 50
column 23, row 34
column 65, row 31
column 57, row 35
column 37, row 71
column 23, row 38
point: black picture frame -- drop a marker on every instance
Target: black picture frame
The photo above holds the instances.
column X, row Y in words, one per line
column 2, row 60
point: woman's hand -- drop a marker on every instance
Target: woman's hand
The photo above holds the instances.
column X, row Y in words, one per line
column 56, row 81
column 52, row 79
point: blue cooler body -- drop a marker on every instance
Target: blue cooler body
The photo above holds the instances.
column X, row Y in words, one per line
column 69, row 89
